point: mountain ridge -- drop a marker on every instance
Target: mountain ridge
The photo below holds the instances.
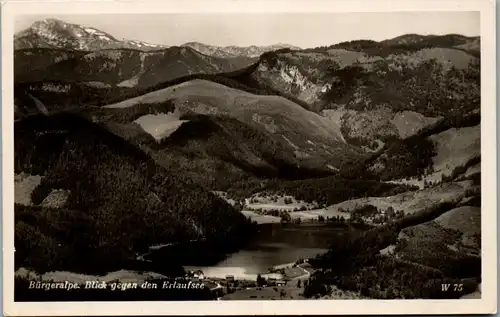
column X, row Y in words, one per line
column 54, row 33
column 233, row 51
column 125, row 67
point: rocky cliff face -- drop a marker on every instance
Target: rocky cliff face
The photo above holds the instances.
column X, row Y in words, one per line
column 289, row 78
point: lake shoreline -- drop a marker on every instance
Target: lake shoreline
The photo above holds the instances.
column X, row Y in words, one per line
column 277, row 246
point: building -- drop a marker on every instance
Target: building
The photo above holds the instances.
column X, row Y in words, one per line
column 199, row 274
column 274, row 279
column 280, row 283
column 271, row 281
column 275, row 276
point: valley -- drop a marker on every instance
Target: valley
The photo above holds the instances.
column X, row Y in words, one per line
column 353, row 168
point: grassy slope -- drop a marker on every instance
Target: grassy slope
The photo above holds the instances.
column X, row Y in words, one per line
column 309, row 134
column 412, row 202
column 454, row 147
column 213, row 149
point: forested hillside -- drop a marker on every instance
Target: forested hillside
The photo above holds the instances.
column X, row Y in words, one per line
column 119, row 199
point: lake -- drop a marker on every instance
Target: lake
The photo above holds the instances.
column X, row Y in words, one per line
column 274, row 245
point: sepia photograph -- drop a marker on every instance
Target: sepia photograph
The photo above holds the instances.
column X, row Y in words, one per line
column 197, row 159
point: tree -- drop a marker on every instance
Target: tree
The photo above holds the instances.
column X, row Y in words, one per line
column 298, row 283
column 238, row 206
column 282, row 293
column 260, row 280
column 285, row 218
column 390, row 212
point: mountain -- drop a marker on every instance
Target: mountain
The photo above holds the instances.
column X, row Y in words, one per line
column 373, row 91
column 471, row 45
column 310, row 74
column 58, row 95
column 115, row 189
column 52, row 49
column 407, row 42
column 32, row 59
column 234, row 51
column 126, row 67
column 127, row 148
column 217, row 151
column 376, row 91
column 53, row 33
column 121, row 149
column 448, row 40
column 406, row 39
column 313, row 142
column 370, row 92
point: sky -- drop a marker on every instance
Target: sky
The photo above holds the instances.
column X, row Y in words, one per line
column 240, row 29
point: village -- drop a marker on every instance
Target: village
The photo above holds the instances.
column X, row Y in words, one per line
column 284, row 281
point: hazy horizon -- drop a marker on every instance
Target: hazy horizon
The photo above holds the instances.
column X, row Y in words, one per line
column 242, row 29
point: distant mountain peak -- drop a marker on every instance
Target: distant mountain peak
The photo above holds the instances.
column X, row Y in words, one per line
column 234, row 51
column 413, row 38
column 54, row 33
